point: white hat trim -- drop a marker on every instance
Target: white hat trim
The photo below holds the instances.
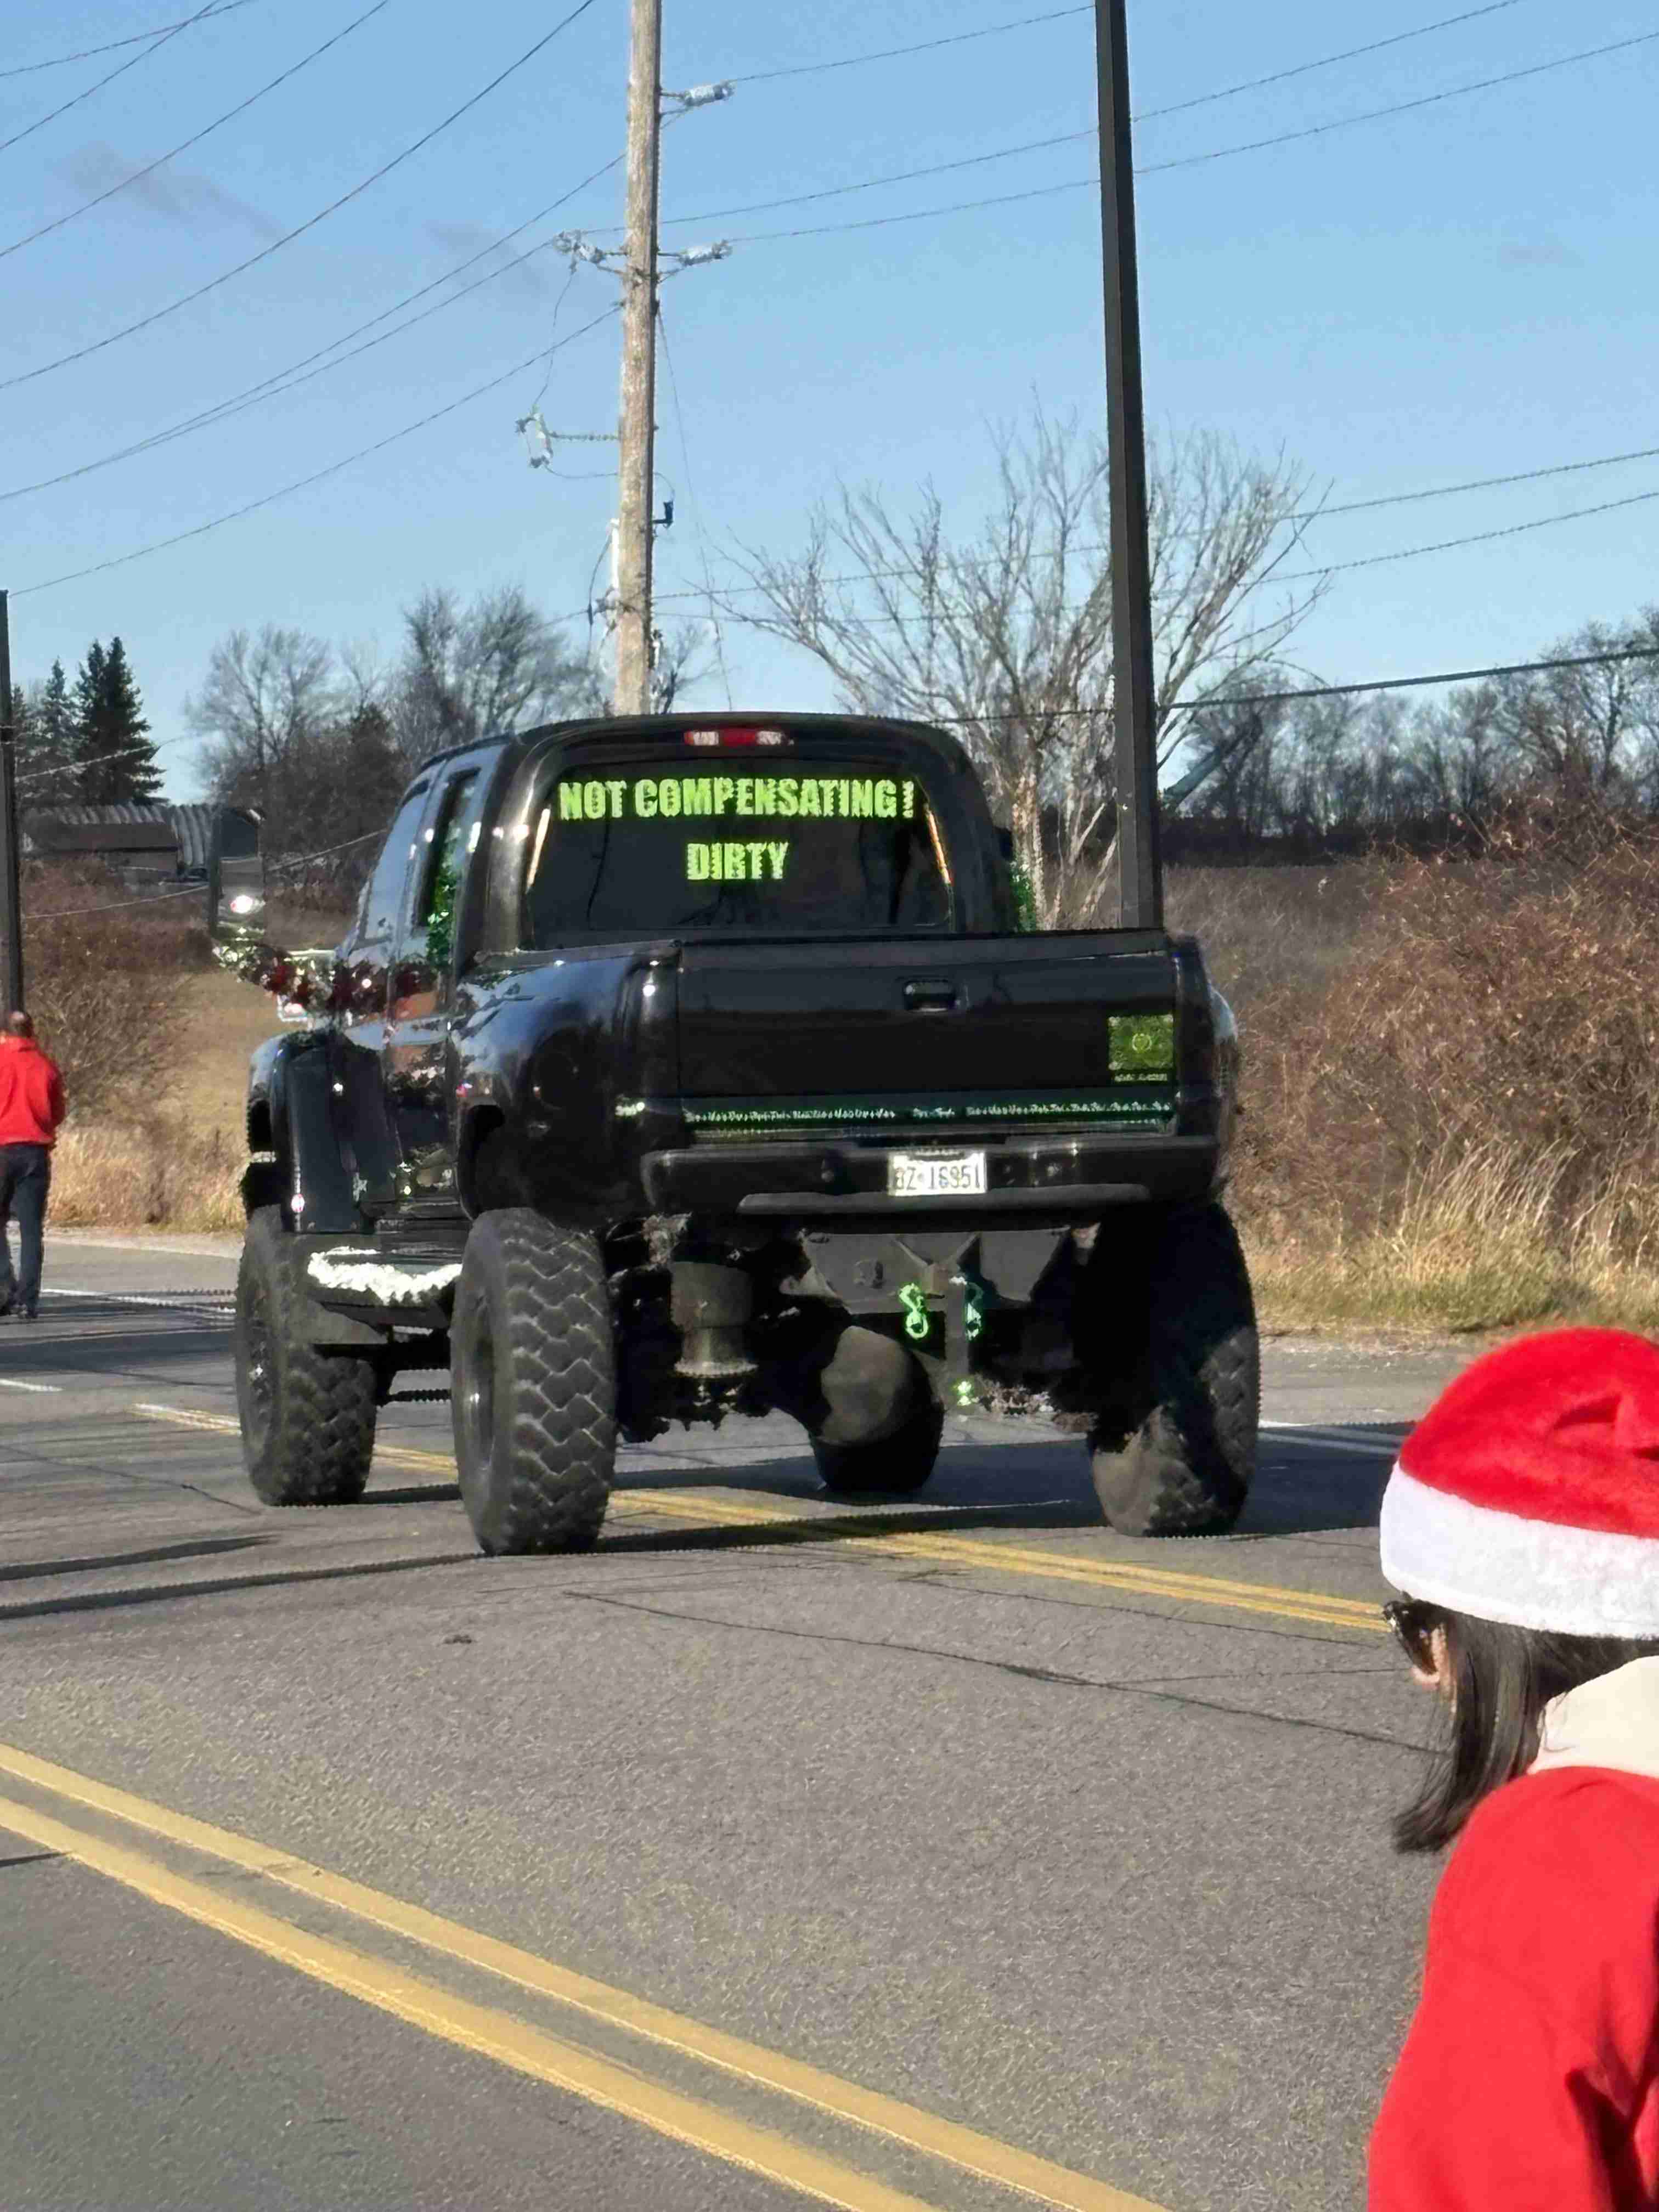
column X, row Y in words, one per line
column 1506, row 1567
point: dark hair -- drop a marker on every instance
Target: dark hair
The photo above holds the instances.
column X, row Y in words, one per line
column 1501, row 1679
column 19, row 1024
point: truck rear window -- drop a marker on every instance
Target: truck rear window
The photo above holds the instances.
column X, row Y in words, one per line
column 780, row 847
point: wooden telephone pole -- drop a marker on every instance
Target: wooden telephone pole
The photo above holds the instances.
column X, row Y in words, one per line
column 11, row 900
column 1141, row 889
column 637, row 426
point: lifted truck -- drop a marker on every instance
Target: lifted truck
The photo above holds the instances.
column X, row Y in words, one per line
column 694, row 1064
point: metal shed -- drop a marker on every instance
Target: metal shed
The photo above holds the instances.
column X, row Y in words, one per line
column 158, row 847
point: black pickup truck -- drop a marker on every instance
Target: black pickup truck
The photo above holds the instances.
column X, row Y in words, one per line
column 696, row 1064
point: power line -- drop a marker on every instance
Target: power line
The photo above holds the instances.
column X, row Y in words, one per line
column 133, row 38
column 184, row 144
column 924, row 46
column 318, row 475
column 1330, row 568
column 1422, row 683
column 99, row 760
column 696, row 515
column 1329, row 61
column 1146, row 169
column 1314, row 514
column 1404, row 106
column 198, row 890
column 1057, row 14
column 1474, row 484
column 40, row 122
column 1336, row 691
column 893, row 177
column 284, row 380
column 1478, row 538
column 97, row 345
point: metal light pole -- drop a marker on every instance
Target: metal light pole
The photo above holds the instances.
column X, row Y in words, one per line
column 11, row 897
column 1141, row 889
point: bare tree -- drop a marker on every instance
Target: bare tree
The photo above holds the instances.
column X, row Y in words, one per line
column 680, row 660
column 1591, row 731
column 1006, row 631
column 265, row 702
column 494, row 666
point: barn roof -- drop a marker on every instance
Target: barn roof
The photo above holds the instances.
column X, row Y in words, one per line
column 190, row 828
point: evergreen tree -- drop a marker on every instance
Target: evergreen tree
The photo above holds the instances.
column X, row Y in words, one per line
column 48, row 759
column 117, row 758
column 89, row 685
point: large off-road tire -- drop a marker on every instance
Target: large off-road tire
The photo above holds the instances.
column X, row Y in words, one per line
column 895, row 1464
column 1185, row 1468
column 534, row 1391
column 307, row 1415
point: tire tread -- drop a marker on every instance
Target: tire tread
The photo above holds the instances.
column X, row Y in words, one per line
column 1185, row 1470
column 549, row 1479
column 322, row 1432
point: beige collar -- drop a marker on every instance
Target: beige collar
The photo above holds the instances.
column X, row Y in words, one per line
column 1612, row 1721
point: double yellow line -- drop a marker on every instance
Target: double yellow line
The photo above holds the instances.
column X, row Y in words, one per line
column 89, row 1822
column 940, row 1548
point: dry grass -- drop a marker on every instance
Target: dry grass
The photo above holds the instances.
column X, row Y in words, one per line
column 134, row 1175
column 1483, row 1240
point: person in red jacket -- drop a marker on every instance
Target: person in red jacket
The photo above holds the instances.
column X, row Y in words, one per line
column 1522, row 1526
column 31, row 1108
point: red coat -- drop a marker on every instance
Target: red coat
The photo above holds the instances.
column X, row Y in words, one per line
column 31, row 1093
column 1529, row 2082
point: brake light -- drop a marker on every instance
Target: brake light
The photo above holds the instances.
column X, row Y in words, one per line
column 722, row 738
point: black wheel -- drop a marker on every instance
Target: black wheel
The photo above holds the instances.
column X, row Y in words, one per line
column 307, row 1415
column 895, row 1464
column 534, row 1396
column 1184, row 1469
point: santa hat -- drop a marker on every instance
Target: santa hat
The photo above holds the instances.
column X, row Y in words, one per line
column 1529, row 1492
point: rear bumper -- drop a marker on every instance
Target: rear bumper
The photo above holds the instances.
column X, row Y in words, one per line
column 1072, row 1178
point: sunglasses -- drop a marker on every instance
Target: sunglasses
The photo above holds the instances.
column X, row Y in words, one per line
column 1414, row 1623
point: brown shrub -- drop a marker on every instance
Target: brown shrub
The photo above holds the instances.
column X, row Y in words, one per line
column 1510, row 1003
column 1274, row 938
column 1453, row 1093
column 102, row 984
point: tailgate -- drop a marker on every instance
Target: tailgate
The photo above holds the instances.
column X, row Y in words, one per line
column 871, row 1035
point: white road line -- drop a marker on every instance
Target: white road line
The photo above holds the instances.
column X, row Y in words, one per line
column 181, row 1302
column 1334, row 1440
column 10, row 1382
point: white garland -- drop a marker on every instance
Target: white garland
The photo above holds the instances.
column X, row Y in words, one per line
column 355, row 1267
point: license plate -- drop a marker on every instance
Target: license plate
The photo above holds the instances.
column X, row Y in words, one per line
column 936, row 1175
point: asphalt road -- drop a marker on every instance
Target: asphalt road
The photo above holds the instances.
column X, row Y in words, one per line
column 958, row 1854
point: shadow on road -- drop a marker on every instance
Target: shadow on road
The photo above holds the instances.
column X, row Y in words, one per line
column 205, row 1548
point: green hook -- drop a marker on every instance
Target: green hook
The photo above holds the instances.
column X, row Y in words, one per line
column 917, row 1320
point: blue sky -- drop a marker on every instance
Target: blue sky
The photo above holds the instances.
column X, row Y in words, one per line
column 1459, row 292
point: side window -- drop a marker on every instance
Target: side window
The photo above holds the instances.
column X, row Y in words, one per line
column 445, row 846
column 382, row 906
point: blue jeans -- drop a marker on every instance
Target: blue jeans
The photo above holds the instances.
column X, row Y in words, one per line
column 25, row 1179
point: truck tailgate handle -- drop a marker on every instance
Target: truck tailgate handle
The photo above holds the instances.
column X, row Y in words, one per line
column 938, row 994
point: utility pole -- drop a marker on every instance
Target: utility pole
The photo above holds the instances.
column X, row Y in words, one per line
column 637, row 424
column 11, row 896
column 1141, row 889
